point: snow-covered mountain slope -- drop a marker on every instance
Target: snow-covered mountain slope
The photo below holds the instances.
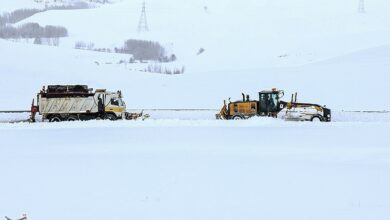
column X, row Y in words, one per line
column 187, row 165
column 11, row 5
column 254, row 34
column 248, row 47
column 357, row 81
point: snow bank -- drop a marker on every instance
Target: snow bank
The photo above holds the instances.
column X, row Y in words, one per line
column 199, row 118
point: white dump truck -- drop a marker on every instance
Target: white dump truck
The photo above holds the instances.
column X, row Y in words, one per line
column 78, row 102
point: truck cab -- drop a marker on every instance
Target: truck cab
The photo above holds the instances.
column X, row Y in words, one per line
column 114, row 106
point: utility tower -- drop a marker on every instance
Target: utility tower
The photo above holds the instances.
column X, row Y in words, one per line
column 143, row 22
column 361, row 8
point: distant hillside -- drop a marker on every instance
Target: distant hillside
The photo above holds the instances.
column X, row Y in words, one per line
column 325, row 50
column 259, row 33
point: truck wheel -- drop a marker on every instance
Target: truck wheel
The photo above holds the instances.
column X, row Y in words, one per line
column 110, row 117
column 237, row 117
column 55, row 119
column 316, row 119
column 73, row 118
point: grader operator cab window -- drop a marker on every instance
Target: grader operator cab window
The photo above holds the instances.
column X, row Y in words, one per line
column 269, row 102
column 263, row 102
column 273, row 101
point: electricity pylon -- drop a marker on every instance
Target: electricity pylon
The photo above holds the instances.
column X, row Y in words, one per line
column 143, row 22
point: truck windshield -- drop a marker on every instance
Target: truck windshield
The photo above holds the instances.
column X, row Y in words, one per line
column 115, row 101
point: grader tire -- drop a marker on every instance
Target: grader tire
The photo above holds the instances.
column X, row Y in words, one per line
column 316, row 119
column 238, row 117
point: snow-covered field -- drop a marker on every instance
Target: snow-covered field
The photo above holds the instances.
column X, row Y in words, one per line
column 185, row 164
column 208, row 116
column 169, row 169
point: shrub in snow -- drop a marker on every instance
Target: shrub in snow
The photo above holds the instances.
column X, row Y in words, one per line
column 72, row 6
column 33, row 30
column 201, row 50
column 173, row 58
column 55, row 41
column 80, row 45
column 3, row 20
column 100, row 1
column 37, row 40
column 55, row 31
column 90, row 46
column 143, row 50
column 9, row 32
column 164, row 69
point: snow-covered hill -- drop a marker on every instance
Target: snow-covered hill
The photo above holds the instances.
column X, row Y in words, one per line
column 187, row 165
column 8, row 6
column 253, row 34
column 358, row 81
column 324, row 50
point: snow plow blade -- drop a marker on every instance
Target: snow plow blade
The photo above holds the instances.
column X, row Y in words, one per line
column 136, row 116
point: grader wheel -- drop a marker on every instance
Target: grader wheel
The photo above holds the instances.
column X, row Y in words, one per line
column 238, row 117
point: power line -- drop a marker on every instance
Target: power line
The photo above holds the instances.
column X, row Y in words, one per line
column 143, row 22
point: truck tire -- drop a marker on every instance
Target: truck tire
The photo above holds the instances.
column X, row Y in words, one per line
column 55, row 119
column 72, row 118
column 110, row 117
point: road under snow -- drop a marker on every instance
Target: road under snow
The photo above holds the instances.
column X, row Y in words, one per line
column 196, row 169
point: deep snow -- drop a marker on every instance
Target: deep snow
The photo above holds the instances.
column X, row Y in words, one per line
column 193, row 170
column 186, row 165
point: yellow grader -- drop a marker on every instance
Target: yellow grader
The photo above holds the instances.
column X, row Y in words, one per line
column 270, row 105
